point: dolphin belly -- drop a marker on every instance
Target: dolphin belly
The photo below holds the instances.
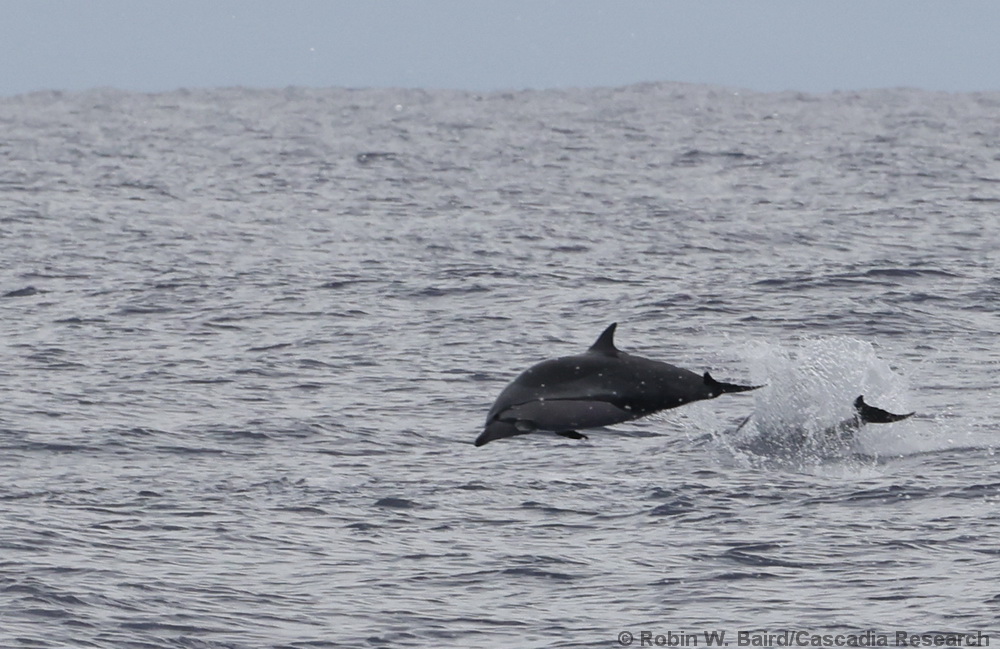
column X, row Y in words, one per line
column 565, row 414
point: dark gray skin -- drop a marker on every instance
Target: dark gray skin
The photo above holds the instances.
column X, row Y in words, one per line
column 600, row 387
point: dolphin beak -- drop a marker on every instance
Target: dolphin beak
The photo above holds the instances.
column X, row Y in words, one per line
column 497, row 430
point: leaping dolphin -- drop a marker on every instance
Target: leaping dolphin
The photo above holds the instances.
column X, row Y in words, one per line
column 829, row 441
column 863, row 414
column 601, row 387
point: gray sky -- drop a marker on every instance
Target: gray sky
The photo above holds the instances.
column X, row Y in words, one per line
column 808, row 45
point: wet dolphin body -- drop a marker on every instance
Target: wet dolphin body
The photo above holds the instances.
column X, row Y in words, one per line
column 863, row 414
column 836, row 437
column 600, row 387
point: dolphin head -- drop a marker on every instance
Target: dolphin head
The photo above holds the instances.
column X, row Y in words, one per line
column 497, row 429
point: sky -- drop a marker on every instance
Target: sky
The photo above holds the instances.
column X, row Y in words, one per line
column 765, row 45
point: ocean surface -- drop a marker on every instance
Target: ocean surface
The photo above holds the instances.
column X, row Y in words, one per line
column 249, row 336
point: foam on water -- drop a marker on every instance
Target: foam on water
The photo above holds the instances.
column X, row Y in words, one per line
column 810, row 386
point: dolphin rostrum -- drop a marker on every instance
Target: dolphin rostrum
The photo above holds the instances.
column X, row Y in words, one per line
column 600, row 387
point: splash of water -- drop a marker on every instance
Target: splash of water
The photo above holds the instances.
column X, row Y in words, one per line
column 809, row 389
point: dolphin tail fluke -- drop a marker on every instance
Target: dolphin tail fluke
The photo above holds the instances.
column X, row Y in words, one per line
column 873, row 415
column 718, row 387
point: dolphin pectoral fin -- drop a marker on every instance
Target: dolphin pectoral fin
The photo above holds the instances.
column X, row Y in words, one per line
column 872, row 415
column 718, row 387
column 572, row 434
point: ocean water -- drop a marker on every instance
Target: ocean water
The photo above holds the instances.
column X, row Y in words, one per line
column 249, row 336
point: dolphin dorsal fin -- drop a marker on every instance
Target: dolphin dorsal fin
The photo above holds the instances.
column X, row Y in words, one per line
column 873, row 415
column 605, row 342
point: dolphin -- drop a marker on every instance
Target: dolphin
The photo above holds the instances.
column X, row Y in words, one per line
column 863, row 414
column 601, row 387
column 831, row 439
